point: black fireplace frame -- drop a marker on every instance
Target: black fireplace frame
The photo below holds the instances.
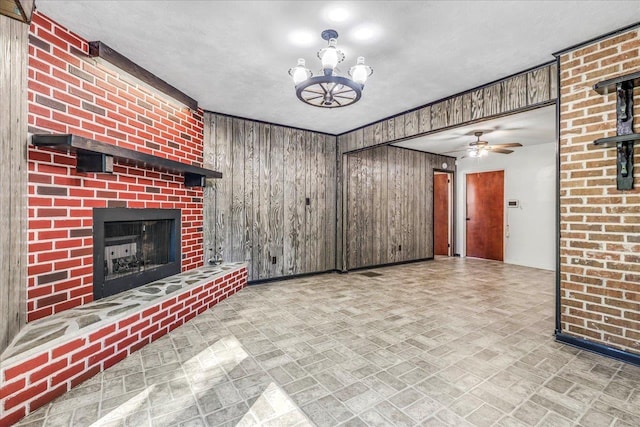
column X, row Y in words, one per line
column 121, row 284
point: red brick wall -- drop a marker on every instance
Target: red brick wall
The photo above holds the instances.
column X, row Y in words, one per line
column 600, row 225
column 28, row 383
column 71, row 93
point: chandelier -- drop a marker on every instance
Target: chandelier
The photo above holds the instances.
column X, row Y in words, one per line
column 329, row 90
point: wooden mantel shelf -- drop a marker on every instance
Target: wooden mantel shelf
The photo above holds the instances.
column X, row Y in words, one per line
column 96, row 156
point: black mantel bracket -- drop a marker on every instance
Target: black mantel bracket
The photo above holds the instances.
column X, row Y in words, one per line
column 624, row 140
column 96, row 156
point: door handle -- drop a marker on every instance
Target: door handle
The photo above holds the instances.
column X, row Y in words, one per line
column 468, row 219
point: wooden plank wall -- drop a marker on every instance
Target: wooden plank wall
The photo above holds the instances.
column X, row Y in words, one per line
column 523, row 91
column 389, row 205
column 531, row 89
column 258, row 211
column 13, row 187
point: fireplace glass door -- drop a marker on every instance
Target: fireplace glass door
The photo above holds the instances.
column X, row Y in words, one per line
column 133, row 247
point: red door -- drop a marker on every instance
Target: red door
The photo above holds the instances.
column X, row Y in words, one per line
column 485, row 215
column 441, row 214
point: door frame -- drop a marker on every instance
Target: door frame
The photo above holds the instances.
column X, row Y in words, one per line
column 451, row 188
column 463, row 226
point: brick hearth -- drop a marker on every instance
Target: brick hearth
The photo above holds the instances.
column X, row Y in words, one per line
column 54, row 354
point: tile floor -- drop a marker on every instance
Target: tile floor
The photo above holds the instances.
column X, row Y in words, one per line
column 445, row 342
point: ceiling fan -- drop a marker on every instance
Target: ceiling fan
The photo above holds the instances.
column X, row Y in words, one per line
column 480, row 148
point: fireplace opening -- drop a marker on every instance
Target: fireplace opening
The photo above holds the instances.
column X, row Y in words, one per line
column 133, row 247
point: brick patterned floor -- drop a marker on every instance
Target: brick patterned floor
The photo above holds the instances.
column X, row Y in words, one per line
column 446, row 342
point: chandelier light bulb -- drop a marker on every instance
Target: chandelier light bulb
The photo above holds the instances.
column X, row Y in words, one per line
column 330, row 57
column 330, row 89
column 360, row 71
column 300, row 72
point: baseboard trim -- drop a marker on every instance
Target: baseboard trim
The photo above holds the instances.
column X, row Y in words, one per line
column 315, row 273
column 601, row 349
column 295, row 276
column 390, row 264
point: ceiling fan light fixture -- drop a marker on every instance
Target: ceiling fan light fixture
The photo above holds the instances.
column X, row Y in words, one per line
column 330, row 90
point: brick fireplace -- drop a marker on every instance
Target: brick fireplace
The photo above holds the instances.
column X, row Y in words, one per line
column 72, row 93
column 85, row 227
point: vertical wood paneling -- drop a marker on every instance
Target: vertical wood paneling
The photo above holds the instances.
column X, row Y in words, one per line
column 13, row 211
column 393, row 215
column 378, row 245
column 251, row 136
column 399, row 126
column 422, row 201
column 301, row 154
column 330, row 203
column 492, row 99
column 352, row 141
column 258, row 187
column 354, row 186
column 289, row 228
column 276, row 200
column 502, row 97
column 237, row 219
column 343, row 211
column 209, row 193
column 321, row 202
column 260, row 212
column 411, row 123
column 466, row 107
column 408, row 201
column 266, row 235
column 367, row 208
column 309, row 259
column 439, row 115
column 455, row 116
column 389, row 206
column 391, row 130
column 223, row 187
column 368, row 139
column 425, row 119
column 359, row 138
column 514, row 93
column 377, row 133
column 553, row 81
column 538, row 85
column 477, row 104
column 339, row 210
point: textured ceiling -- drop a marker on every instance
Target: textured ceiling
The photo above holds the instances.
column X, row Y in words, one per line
column 233, row 56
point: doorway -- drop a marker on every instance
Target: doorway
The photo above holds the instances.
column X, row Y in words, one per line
column 442, row 213
column 485, row 215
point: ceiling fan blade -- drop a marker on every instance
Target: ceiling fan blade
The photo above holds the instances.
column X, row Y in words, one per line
column 456, row 151
column 500, row 150
column 512, row 144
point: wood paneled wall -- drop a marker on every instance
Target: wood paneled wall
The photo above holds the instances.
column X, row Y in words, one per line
column 13, row 187
column 522, row 91
column 276, row 199
column 389, row 206
column 527, row 90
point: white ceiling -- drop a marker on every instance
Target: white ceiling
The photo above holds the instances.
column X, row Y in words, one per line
column 529, row 128
column 233, row 56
